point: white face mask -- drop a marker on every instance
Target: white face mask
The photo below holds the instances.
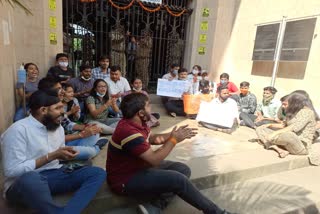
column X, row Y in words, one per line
column 194, row 71
column 137, row 89
column 100, row 95
column 82, row 77
column 64, row 64
column 175, row 72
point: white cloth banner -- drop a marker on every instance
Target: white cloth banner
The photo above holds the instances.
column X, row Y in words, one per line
column 153, row 1
column 216, row 114
column 173, row 88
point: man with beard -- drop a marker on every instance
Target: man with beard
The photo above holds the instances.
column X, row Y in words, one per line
column 136, row 170
column 225, row 106
column 82, row 86
column 84, row 138
column 31, row 149
column 267, row 111
column 103, row 71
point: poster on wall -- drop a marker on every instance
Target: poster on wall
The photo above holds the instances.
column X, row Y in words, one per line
column 53, row 38
column 203, row 38
column 205, row 12
column 52, row 5
column 202, row 50
column 204, row 26
column 53, row 21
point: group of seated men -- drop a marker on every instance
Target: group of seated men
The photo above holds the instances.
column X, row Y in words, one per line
column 37, row 149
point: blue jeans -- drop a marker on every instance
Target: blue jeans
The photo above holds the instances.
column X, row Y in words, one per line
column 35, row 189
column 86, row 147
column 20, row 114
column 170, row 177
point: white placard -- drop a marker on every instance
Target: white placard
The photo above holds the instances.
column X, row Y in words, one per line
column 153, row 1
column 217, row 114
column 173, row 88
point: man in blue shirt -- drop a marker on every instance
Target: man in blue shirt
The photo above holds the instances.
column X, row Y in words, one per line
column 31, row 149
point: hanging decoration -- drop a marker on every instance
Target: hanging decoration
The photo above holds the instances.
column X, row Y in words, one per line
column 122, row 7
column 149, row 10
column 144, row 7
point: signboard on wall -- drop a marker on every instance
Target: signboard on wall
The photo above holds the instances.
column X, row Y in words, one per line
column 153, row 1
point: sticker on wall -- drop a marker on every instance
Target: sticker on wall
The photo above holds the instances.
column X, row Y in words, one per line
column 52, row 5
column 204, row 26
column 53, row 21
column 205, row 12
column 203, row 38
column 201, row 50
column 53, row 38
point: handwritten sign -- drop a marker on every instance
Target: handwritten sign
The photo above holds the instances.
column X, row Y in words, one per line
column 204, row 26
column 173, row 88
column 201, row 50
column 217, row 113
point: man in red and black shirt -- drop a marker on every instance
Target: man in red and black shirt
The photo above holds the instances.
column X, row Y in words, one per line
column 224, row 80
column 136, row 170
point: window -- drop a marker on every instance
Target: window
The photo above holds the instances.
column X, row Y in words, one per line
column 295, row 49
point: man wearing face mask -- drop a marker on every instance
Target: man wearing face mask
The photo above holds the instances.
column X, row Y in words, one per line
column 173, row 72
column 138, row 171
column 31, row 149
column 229, row 108
column 212, row 84
column 61, row 72
column 103, row 71
column 82, row 85
column 247, row 104
column 224, row 79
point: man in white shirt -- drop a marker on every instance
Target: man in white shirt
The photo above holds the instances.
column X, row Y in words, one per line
column 31, row 149
column 223, row 110
column 117, row 86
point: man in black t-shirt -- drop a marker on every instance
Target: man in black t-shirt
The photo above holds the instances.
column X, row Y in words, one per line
column 61, row 72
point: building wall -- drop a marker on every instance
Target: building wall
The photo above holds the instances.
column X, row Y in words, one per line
column 28, row 42
column 234, row 42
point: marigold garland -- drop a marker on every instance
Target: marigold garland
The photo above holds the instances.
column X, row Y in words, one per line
column 123, row 7
column 174, row 14
column 149, row 10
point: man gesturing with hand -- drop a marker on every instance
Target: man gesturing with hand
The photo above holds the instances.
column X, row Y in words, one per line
column 136, row 170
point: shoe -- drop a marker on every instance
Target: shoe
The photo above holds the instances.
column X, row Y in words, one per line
column 102, row 141
column 173, row 114
column 147, row 208
column 253, row 140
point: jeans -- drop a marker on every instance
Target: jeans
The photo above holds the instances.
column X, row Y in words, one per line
column 170, row 177
column 175, row 106
column 20, row 114
column 35, row 189
column 108, row 126
column 249, row 119
column 85, row 146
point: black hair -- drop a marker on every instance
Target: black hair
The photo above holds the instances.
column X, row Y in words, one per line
column 103, row 57
column 244, row 84
column 304, row 93
column 41, row 98
column 273, row 90
column 84, row 67
column 198, row 66
column 47, row 83
column 115, row 68
column 26, row 66
column 134, row 79
column 284, row 98
column 182, row 70
column 222, row 87
column 93, row 91
column 132, row 104
column 296, row 102
column 174, row 65
column 59, row 55
column 66, row 85
column 224, row 75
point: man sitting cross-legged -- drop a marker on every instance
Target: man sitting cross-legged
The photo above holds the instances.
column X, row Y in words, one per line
column 136, row 170
column 31, row 149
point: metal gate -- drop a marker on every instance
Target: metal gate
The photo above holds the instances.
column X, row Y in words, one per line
column 143, row 38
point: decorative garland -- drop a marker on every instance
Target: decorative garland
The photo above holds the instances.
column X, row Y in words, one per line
column 174, row 14
column 122, row 8
column 147, row 9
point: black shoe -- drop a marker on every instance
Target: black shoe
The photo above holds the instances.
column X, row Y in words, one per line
column 102, row 141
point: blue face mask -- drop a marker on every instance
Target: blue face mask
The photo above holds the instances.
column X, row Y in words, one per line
column 100, row 95
column 223, row 81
